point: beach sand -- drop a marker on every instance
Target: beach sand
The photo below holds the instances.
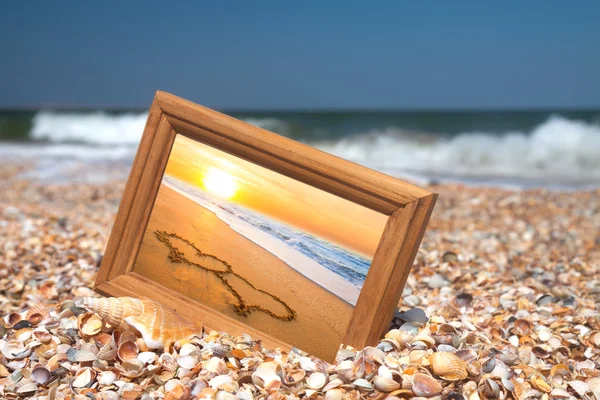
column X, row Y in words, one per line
column 320, row 314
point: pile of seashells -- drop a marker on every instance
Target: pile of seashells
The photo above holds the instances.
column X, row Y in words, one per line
column 503, row 302
column 71, row 353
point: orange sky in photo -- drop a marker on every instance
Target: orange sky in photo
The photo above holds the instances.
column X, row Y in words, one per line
column 276, row 196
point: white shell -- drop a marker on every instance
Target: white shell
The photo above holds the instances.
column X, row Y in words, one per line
column 316, row 380
column 106, row 378
column 147, row 357
column 187, row 362
column 307, row 364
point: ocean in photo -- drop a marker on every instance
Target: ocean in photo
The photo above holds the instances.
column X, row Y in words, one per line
column 556, row 149
column 338, row 270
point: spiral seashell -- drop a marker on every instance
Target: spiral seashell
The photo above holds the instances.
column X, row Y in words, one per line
column 159, row 326
column 448, row 366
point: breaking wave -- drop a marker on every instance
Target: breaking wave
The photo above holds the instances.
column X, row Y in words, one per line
column 557, row 151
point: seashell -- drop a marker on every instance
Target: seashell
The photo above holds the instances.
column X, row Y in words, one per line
column 580, row 387
column 392, row 362
column 474, row 369
column 35, row 319
column 39, row 309
column 159, row 327
column 216, row 365
column 223, row 395
column 540, row 384
column 425, row 385
column 84, row 378
column 13, row 318
column 488, row 389
column 522, row 327
column 168, row 362
column 462, row 300
column 384, row 384
column 467, row 355
column 188, row 349
column 558, row 393
column 524, row 390
column 594, row 384
column 26, row 388
column 106, row 378
column 272, row 367
column 127, row 350
column 126, row 336
column 307, row 364
column 40, row 375
column 266, row 380
column 220, row 351
column 54, row 361
column 428, row 341
column 416, row 356
column 560, row 369
column 316, row 380
column 509, row 359
column 469, row 391
column 176, row 390
column 541, row 352
column 131, row 368
column 245, row 394
column 23, row 334
column 42, row 336
column 375, row 354
column 80, row 355
column 89, row 324
column 147, row 357
column 500, row 370
column 187, row 362
column 363, row 384
column 333, row 384
column 346, row 370
column 446, row 347
column 14, row 350
column 294, row 376
column 107, row 352
column 385, row 372
column 333, row 394
column 448, row 366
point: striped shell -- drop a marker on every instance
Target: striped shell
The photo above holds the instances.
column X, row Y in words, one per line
column 448, row 366
column 159, row 326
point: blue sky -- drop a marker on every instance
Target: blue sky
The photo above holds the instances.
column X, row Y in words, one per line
column 311, row 55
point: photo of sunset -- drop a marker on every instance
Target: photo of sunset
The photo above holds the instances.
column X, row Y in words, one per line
column 272, row 252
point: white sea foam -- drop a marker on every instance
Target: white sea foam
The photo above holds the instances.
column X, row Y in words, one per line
column 92, row 128
column 558, row 151
column 303, row 264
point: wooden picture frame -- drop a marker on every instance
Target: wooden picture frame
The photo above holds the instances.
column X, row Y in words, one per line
column 408, row 207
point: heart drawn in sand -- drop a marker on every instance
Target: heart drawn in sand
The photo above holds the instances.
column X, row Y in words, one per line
column 224, row 272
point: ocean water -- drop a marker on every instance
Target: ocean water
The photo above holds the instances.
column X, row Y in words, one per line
column 554, row 148
column 336, row 269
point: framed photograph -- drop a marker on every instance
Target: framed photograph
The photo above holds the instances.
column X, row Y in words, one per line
column 252, row 232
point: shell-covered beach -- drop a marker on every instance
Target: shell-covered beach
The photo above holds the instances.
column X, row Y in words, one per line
column 509, row 283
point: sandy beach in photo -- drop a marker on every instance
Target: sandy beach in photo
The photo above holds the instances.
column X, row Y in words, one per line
column 318, row 311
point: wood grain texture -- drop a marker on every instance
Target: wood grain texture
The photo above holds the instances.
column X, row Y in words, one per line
column 388, row 272
column 351, row 181
column 108, row 264
column 409, row 208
